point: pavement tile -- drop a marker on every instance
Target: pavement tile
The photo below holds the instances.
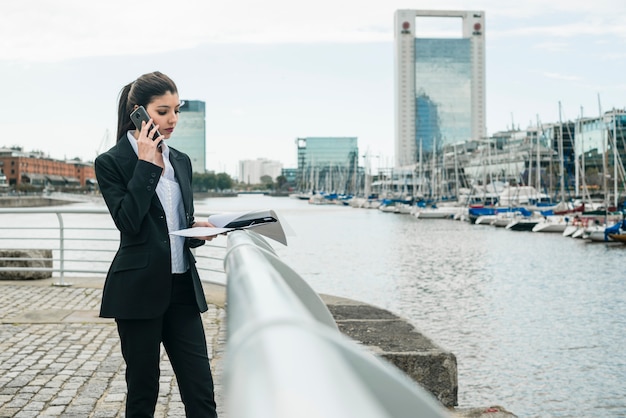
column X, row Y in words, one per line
column 59, row 359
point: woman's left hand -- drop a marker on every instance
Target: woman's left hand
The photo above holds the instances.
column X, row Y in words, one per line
column 204, row 224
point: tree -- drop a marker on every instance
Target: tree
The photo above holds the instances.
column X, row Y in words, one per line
column 224, row 182
column 267, row 182
column 203, row 182
column 281, row 181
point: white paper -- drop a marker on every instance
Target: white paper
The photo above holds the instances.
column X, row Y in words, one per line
column 264, row 222
column 201, row 231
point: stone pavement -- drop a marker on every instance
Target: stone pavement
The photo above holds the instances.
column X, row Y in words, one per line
column 59, row 359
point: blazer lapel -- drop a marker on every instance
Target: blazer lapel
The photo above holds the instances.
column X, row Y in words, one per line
column 126, row 157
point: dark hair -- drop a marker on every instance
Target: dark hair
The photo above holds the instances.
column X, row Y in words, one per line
column 140, row 92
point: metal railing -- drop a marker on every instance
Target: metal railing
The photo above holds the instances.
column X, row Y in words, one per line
column 285, row 356
column 82, row 240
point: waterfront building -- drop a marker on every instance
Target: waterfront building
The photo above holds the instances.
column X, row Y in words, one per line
column 35, row 169
column 251, row 171
column 290, row 174
column 439, row 86
column 565, row 160
column 328, row 164
column 600, row 154
column 4, row 184
column 561, row 138
column 515, row 157
column 190, row 134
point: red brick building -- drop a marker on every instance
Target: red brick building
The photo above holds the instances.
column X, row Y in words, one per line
column 34, row 168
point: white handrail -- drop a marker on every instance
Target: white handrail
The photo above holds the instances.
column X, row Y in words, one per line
column 285, row 356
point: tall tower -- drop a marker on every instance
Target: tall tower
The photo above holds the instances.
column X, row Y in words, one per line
column 440, row 84
column 190, row 134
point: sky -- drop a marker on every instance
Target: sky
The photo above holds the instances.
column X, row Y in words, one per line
column 276, row 70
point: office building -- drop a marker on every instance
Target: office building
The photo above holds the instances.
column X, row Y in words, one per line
column 598, row 151
column 290, row 174
column 440, row 84
column 327, row 164
column 190, row 134
column 252, row 171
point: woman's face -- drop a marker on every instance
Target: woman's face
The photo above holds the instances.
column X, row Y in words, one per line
column 164, row 112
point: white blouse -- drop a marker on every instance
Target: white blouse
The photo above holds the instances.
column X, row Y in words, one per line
column 168, row 191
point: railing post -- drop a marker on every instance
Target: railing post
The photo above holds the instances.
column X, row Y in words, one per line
column 61, row 281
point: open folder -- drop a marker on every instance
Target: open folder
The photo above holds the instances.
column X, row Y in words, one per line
column 264, row 222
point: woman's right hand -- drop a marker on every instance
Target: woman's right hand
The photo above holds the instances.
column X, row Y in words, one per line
column 147, row 143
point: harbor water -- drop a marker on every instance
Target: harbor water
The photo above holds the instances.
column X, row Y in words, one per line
column 537, row 321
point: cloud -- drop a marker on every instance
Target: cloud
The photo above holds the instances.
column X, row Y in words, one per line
column 613, row 56
column 558, row 76
column 37, row 30
column 41, row 30
column 570, row 30
column 553, row 46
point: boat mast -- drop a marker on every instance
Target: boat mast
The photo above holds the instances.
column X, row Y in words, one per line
column 421, row 186
column 581, row 166
column 578, row 140
column 431, row 164
column 561, row 157
column 604, row 163
column 456, row 174
column 615, row 155
column 530, row 159
column 538, row 159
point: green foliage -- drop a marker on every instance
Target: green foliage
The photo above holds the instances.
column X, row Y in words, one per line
column 204, row 182
column 224, row 182
column 266, row 179
column 281, row 182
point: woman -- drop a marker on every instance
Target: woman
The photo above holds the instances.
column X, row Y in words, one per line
column 153, row 289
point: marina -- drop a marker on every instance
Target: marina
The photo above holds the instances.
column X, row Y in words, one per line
column 535, row 320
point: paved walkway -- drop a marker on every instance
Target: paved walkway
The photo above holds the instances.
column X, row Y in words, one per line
column 58, row 359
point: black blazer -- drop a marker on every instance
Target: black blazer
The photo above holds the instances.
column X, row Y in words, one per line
column 139, row 282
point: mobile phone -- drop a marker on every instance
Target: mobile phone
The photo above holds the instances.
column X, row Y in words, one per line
column 139, row 115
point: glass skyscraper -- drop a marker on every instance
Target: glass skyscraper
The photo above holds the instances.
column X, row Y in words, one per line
column 327, row 163
column 190, row 134
column 597, row 148
column 440, row 85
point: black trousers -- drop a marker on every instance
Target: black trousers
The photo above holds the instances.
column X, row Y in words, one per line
column 182, row 334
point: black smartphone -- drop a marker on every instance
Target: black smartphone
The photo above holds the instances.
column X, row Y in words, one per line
column 140, row 114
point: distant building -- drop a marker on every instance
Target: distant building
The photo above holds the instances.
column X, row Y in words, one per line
column 290, row 174
column 596, row 141
column 190, row 134
column 35, row 169
column 251, row 171
column 327, row 164
column 440, row 84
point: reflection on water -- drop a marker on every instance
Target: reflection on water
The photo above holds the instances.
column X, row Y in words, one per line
column 536, row 320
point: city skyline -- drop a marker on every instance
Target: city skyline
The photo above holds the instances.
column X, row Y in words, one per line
column 268, row 78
